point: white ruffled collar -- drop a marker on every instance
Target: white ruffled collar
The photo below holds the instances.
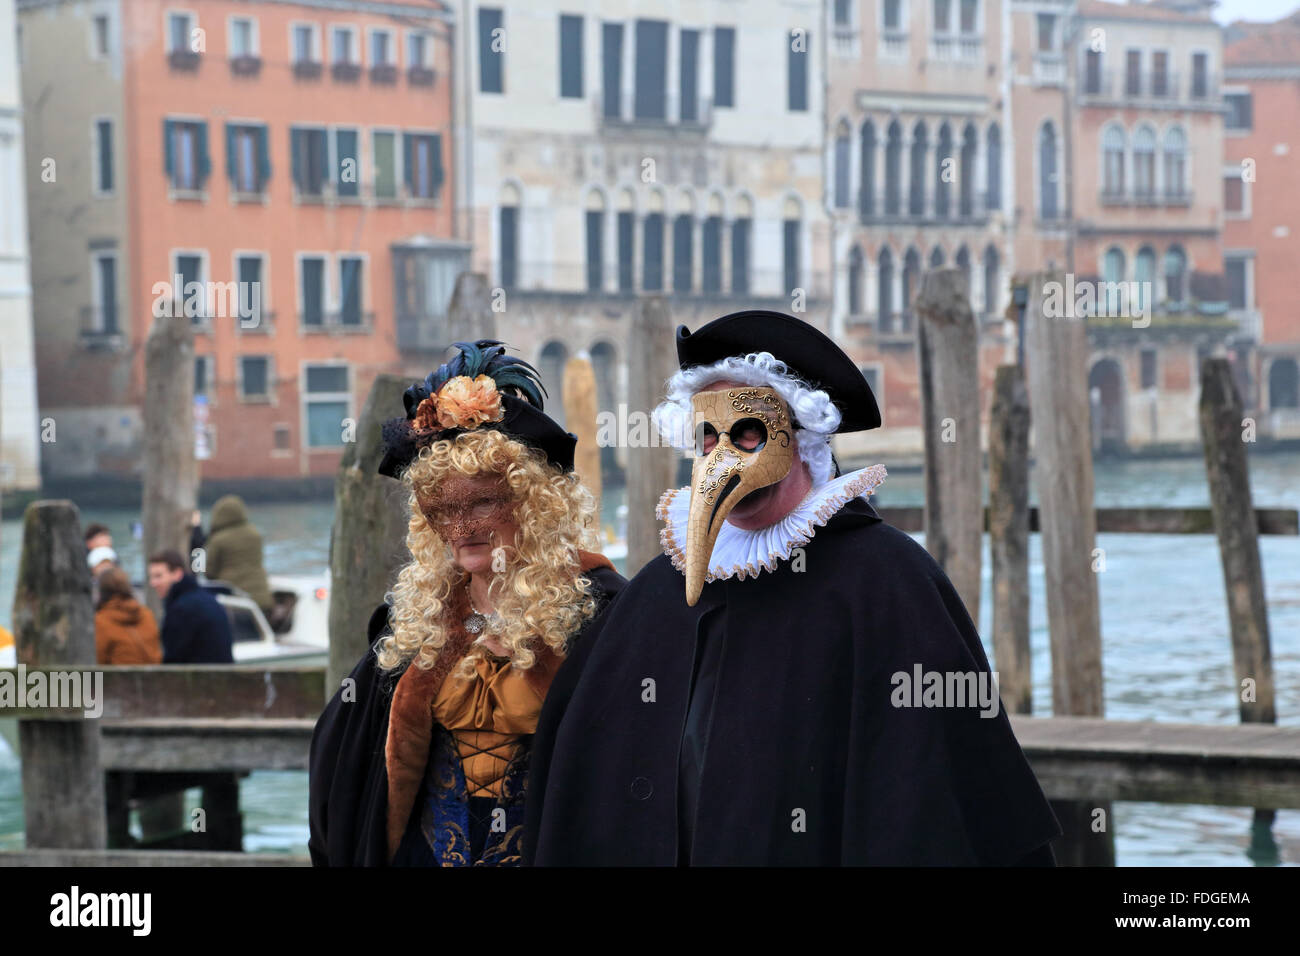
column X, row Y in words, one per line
column 745, row 553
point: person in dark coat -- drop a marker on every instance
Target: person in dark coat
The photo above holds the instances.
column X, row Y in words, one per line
column 234, row 551
column 793, row 681
column 195, row 628
column 421, row 758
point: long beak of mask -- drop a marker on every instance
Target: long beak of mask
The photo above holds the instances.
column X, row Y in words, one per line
column 742, row 443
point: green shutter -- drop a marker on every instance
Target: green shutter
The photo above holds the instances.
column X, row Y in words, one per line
column 385, row 157
column 408, row 162
column 167, row 148
column 263, row 156
column 232, row 165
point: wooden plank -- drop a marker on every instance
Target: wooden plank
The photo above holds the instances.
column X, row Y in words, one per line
column 206, row 744
column 1279, row 521
column 83, row 858
column 1085, row 758
column 948, row 364
column 189, row 691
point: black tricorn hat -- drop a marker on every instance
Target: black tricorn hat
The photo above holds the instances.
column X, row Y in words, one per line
column 806, row 352
column 522, row 418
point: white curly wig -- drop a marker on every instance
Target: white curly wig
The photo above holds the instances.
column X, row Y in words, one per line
column 816, row 414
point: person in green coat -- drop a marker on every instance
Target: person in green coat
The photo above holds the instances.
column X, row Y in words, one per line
column 234, row 552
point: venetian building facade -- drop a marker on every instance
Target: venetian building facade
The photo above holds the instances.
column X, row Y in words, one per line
column 1119, row 139
column 19, row 420
column 919, row 176
column 614, row 151
column 1261, row 208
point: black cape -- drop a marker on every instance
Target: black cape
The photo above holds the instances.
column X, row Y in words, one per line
column 808, row 761
column 348, row 778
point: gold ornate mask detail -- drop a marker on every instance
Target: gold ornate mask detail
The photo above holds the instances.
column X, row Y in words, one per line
column 742, row 443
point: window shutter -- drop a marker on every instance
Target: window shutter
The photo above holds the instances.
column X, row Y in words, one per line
column 201, row 143
column 168, row 162
column 263, row 157
column 232, row 165
column 408, row 162
column 436, row 150
column 295, row 157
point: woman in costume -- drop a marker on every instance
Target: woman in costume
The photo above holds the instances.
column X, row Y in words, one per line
column 421, row 758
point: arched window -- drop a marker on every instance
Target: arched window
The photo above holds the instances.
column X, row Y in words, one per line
column 1112, row 173
column 652, row 244
column 894, row 170
column 855, row 281
column 1144, row 164
column 867, row 177
column 1144, row 272
column 942, row 188
column 962, row 261
column 1048, row 206
column 1112, row 266
column 604, row 365
column 842, row 166
column 1175, row 163
column 911, row 277
column 1175, row 275
column 916, row 195
column 990, row 281
column 551, row 366
column 937, row 258
column 966, row 179
column 993, row 186
column 885, row 291
column 741, row 227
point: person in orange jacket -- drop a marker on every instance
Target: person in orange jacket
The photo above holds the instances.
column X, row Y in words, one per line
column 125, row 630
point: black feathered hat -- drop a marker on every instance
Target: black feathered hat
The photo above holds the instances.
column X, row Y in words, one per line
column 806, row 352
column 515, row 384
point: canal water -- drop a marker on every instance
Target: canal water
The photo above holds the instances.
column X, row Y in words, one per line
column 1166, row 650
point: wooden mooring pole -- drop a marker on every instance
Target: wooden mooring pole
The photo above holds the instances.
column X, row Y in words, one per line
column 63, row 778
column 1057, row 354
column 1223, row 437
column 368, row 538
column 1009, row 536
column 948, row 362
column 580, row 407
column 650, row 470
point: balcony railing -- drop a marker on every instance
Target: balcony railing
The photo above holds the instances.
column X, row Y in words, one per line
column 1049, row 69
column 245, row 65
column 625, row 119
column 184, row 60
column 964, row 48
column 307, row 70
column 421, row 76
column 893, row 44
column 384, row 74
column 345, row 72
column 844, row 41
column 1110, row 196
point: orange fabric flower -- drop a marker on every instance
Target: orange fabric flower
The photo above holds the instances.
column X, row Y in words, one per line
column 462, row 403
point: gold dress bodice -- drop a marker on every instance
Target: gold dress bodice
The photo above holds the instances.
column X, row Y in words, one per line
column 487, row 714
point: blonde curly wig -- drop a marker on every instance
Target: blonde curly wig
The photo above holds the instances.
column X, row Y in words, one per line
column 540, row 596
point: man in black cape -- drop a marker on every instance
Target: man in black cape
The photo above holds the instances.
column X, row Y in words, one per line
column 793, row 682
